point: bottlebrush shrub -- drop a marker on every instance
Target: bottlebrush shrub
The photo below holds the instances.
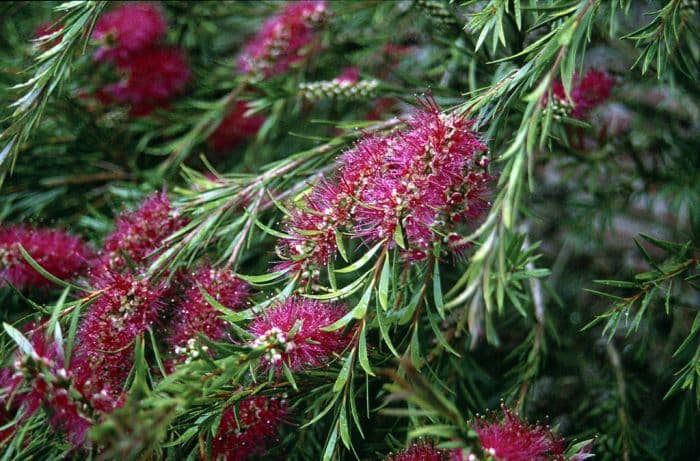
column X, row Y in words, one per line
column 58, row 252
column 371, row 272
column 282, row 39
column 412, row 189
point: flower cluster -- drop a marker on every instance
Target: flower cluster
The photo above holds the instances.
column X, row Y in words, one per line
column 194, row 315
column 512, row 439
column 151, row 74
column 61, row 254
column 126, row 306
column 291, row 333
column 247, row 431
column 235, row 128
column 38, row 379
column 139, row 233
column 507, row 439
column 411, row 189
column 586, row 93
column 282, row 39
column 150, row 79
column 127, row 30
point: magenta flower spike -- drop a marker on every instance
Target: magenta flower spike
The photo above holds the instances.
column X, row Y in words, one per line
column 60, row 253
column 194, row 314
column 250, row 430
column 138, row 233
column 308, row 346
column 127, row 29
column 282, row 38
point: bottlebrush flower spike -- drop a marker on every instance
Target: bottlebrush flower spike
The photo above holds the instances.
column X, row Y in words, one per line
column 423, row 184
column 249, row 430
column 235, row 128
column 128, row 29
column 59, row 252
column 291, row 333
column 103, row 355
column 586, row 93
column 431, row 181
column 39, row 379
column 421, row 452
column 140, row 232
column 195, row 315
column 512, row 439
column 280, row 41
column 150, row 78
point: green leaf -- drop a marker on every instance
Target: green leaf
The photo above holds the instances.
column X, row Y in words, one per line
column 671, row 247
column 383, row 291
column 271, row 231
column 437, row 291
column 323, row 412
column 439, row 336
column 384, row 330
column 22, row 342
column 330, row 444
column 362, row 261
column 398, row 237
column 341, row 246
column 344, row 372
column 290, row 377
column 343, row 292
column 344, row 426
column 56, row 311
column 72, row 330
column 616, row 283
column 358, row 312
column 46, row 274
column 263, row 278
column 230, row 314
column 364, row 360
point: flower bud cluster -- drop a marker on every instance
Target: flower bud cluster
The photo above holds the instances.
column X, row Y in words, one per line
column 346, row 86
column 587, row 92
